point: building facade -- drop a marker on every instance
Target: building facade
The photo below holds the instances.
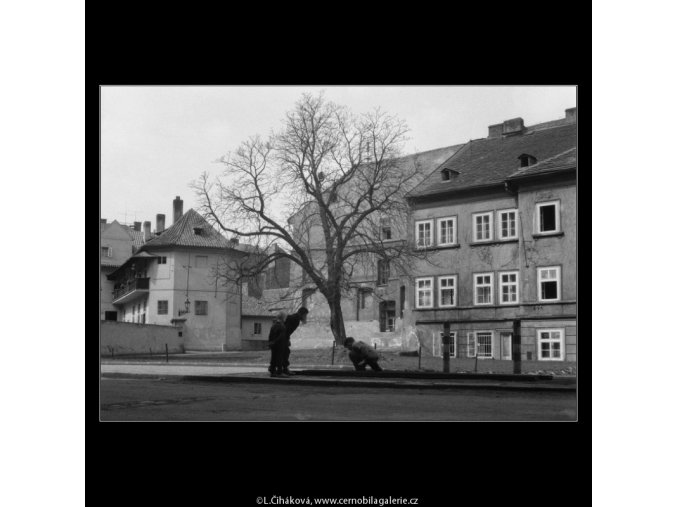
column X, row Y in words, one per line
column 118, row 242
column 498, row 221
column 171, row 280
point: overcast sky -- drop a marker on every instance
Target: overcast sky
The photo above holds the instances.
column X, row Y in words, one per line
column 156, row 140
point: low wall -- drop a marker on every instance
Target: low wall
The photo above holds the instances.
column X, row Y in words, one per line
column 119, row 338
column 313, row 335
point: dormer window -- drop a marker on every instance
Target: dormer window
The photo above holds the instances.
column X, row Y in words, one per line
column 526, row 160
column 447, row 174
column 197, row 231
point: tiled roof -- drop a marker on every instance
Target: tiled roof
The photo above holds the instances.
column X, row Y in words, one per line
column 182, row 233
column 560, row 162
column 430, row 159
column 253, row 307
column 490, row 161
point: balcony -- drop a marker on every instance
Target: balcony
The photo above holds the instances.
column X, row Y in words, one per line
column 133, row 289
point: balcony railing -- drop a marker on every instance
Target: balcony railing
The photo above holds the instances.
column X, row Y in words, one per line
column 134, row 285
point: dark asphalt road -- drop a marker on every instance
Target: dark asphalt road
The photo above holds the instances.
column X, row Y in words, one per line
column 174, row 400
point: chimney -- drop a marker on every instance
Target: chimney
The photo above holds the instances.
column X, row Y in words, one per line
column 178, row 208
column 137, row 226
column 571, row 115
column 146, row 231
column 513, row 126
column 103, row 221
column 495, row 130
column 159, row 223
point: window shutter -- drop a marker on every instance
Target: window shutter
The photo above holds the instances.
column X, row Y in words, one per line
column 472, row 352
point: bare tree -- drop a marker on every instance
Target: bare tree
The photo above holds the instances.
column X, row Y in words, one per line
column 316, row 193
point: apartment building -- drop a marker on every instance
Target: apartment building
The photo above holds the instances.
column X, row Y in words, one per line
column 498, row 221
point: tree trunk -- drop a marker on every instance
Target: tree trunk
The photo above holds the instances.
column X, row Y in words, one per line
column 336, row 320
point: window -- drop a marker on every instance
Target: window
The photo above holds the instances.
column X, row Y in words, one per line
column 424, row 293
column 424, row 234
column 452, row 344
column 483, row 284
column 508, row 224
column 549, row 283
column 471, row 349
column 106, row 251
column 363, row 298
column 386, row 230
column 200, row 307
column 446, row 231
column 447, row 174
column 482, row 226
column 484, row 340
column 383, row 268
column 162, row 307
column 162, row 260
column 508, row 286
column 200, row 261
column 547, row 217
column 550, row 344
column 526, row 160
column 257, row 328
column 446, row 290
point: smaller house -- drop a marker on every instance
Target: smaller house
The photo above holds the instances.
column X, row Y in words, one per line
column 257, row 319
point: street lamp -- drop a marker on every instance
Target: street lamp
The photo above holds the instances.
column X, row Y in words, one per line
column 187, row 305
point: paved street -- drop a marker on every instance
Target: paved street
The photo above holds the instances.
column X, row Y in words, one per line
column 145, row 399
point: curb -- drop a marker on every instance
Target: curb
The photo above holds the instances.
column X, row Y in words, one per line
column 237, row 379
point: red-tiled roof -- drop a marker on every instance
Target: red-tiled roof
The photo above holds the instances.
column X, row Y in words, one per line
column 560, row 162
column 490, row 161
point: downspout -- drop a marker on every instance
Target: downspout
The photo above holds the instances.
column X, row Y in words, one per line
column 516, row 355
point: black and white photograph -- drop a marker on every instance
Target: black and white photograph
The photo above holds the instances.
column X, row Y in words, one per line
column 338, row 253
column 341, row 260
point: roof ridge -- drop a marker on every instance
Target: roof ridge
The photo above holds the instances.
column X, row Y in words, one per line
column 433, row 149
column 538, row 127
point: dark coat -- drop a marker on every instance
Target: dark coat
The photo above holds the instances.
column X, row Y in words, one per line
column 292, row 323
column 277, row 335
column 362, row 351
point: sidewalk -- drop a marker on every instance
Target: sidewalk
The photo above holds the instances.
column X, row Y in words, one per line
column 323, row 375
